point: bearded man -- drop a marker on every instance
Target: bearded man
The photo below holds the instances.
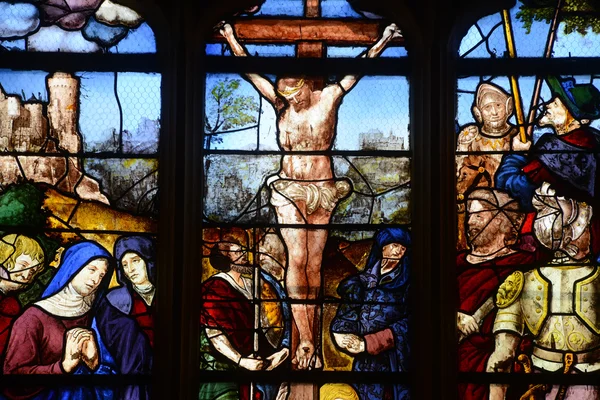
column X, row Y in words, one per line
column 495, row 251
column 556, row 303
column 566, row 159
column 230, row 338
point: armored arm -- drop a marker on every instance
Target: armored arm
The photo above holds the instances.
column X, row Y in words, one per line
column 508, row 328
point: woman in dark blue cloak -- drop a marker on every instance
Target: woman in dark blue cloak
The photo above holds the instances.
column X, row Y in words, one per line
column 372, row 323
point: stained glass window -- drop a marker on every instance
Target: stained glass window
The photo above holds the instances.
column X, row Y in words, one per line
column 306, row 206
column 78, row 200
column 527, row 145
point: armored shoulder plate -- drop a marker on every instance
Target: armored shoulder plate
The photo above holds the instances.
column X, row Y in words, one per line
column 510, row 290
column 587, row 300
column 534, row 305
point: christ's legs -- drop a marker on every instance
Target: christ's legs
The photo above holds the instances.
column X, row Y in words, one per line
column 297, row 285
column 317, row 238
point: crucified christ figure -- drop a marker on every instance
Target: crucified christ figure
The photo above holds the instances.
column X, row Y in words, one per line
column 305, row 190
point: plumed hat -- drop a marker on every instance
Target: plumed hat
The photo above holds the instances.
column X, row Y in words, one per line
column 583, row 100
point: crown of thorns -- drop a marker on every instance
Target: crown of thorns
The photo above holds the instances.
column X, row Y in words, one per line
column 291, row 90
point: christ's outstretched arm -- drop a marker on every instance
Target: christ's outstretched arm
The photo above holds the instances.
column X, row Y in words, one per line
column 348, row 82
column 262, row 84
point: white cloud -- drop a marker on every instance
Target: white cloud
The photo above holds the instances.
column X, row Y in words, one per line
column 116, row 14
column 17, row 20
column 53, row 39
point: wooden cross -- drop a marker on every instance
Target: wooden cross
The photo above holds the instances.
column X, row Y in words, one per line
column 310, row 33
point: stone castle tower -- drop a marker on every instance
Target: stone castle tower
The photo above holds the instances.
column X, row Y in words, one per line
column 63, row 96
column 30, row 127
column 23, row 127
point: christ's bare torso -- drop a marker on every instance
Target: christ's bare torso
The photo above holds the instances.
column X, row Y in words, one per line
column 309, row 129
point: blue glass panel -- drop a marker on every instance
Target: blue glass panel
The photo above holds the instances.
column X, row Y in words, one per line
column 24, row 82
column 17, row 20
column 530, row 28
column 528, row 44
column 341, row 8
column 292, row 8
column 575, row 44
column 99, row 117
column 473, row 44
column 139, row 95
column 140, row 40
column 394, row 52
column 261, row 50
column 350, row 52
column 375, row 115
column 13, row 45
column 344, row 51
column 102, row 34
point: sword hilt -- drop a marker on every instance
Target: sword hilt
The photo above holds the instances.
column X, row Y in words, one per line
column 534, row 390
column 525, row 362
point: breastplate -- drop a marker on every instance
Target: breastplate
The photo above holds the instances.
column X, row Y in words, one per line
column 560, row 307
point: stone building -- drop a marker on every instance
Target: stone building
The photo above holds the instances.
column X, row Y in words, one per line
column 49, row 130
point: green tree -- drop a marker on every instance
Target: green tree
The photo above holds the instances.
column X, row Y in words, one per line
column 543, row 10
column 227, row 110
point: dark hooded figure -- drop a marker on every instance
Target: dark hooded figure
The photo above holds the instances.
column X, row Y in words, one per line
column 372, row 323
column 136, row 273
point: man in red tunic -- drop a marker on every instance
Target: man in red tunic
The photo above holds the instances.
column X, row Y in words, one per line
column 227, row 320
column 492, row 230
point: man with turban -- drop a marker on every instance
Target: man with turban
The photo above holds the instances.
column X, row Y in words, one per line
column 568, row 159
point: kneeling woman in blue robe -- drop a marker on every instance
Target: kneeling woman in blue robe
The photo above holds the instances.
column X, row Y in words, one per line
column 74, row 330
column 372, row 323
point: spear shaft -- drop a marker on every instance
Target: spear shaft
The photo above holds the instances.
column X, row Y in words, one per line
column 538, row 83
column 514, row 84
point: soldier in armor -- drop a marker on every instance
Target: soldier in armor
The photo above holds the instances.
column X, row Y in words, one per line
column 557, row 303
column 493, row 132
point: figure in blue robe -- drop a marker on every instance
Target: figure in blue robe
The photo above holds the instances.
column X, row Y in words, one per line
column 375, row 309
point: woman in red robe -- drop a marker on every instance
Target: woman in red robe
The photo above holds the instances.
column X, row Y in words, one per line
column 136, row 274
